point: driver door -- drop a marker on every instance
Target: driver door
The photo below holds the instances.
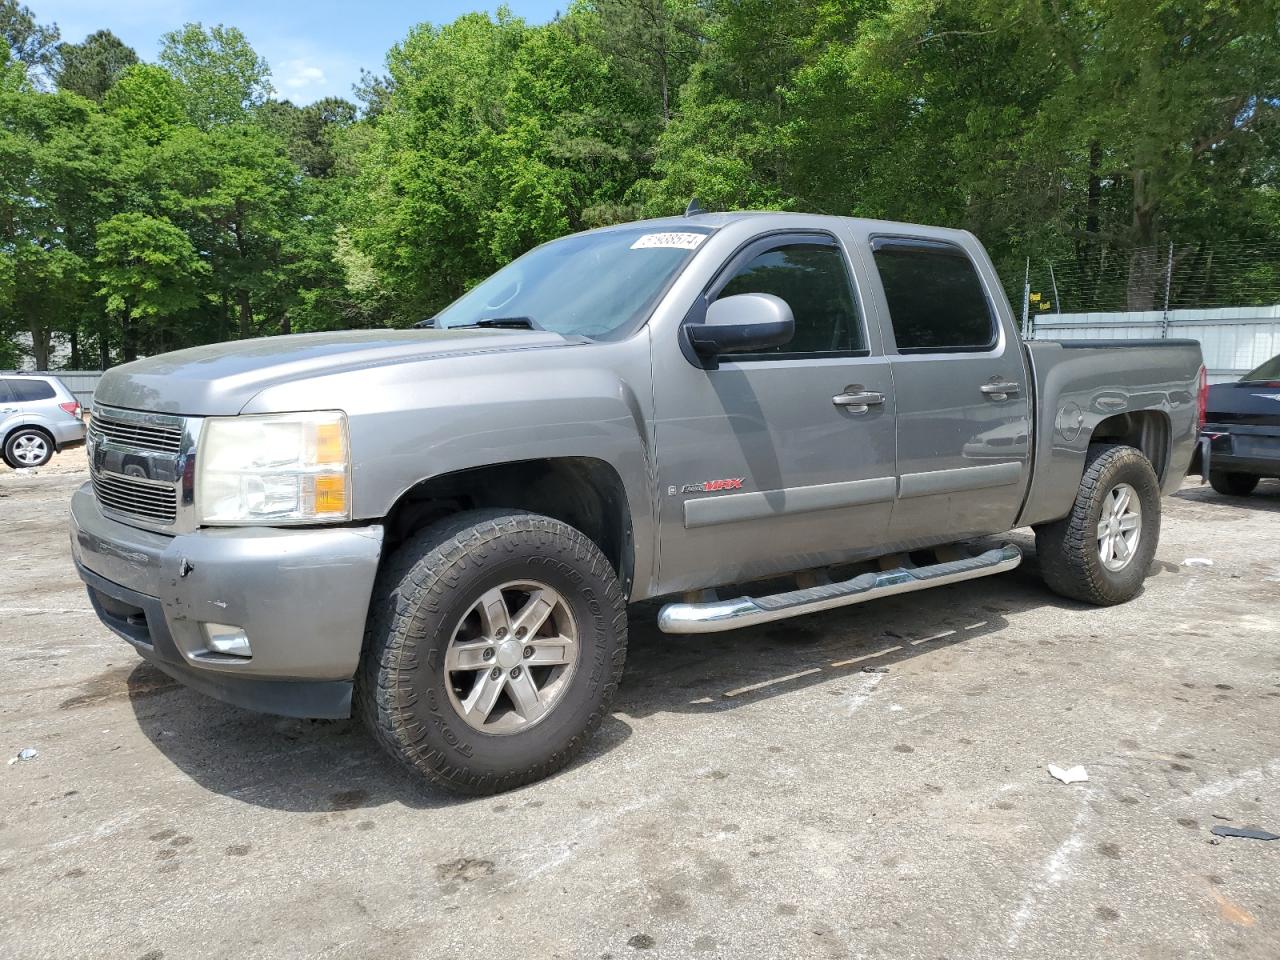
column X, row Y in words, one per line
column 765, row 466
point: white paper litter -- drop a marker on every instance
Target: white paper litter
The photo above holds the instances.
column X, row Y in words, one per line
column 1197, row 562
column 680, row 241
column 26, row 753
column 1076, row 774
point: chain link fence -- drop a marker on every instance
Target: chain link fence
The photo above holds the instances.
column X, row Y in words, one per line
column 1168, row 276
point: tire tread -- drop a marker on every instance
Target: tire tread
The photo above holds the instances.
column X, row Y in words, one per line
column 419, row 577
column 1067, row 548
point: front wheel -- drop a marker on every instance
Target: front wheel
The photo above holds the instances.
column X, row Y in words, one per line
column 1233, row 484
column 1101, row 551
column 495, row 642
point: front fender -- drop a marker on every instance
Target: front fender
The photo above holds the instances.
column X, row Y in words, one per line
column 415, row 421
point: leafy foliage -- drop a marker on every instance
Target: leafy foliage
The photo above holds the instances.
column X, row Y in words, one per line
column 90, row 68
column 150, row 206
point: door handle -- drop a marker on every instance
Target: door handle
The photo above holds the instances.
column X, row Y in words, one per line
column 858, row 401
column 1000, row 391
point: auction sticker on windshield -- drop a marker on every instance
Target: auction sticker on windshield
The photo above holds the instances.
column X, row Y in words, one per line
column 680, row 241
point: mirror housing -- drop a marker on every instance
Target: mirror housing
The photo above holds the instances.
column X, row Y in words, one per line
column 743, row 323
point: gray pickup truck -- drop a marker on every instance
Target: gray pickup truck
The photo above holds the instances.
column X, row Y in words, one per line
column 443, row 527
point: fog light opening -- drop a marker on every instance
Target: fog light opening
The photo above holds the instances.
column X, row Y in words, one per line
column 226, row 639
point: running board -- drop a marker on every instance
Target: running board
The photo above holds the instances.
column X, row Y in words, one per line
column 718, row 615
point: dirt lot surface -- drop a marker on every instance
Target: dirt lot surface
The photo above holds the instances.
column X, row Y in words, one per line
column 754, row 795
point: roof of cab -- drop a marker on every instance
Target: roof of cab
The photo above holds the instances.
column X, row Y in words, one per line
column 819, row 221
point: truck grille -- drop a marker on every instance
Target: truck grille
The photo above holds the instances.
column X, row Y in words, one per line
column 141, row 464
column 148, row 499
column 142, row 436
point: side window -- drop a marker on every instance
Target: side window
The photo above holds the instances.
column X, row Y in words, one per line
column 31, row 390
column 936, row 301
column 813, row 280
column 6, row 395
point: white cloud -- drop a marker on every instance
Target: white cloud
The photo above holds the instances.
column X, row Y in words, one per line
column 299, row 75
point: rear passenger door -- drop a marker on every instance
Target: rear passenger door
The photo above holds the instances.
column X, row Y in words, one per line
column 964, row 411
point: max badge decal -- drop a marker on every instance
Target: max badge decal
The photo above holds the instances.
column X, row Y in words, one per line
column 709, row 486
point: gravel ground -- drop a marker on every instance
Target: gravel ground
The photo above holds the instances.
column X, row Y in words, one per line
column 754, row 795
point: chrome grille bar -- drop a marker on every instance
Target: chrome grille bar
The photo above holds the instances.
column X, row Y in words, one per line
column 135, row 495
column 143, row 436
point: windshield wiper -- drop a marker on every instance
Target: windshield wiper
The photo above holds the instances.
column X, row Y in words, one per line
column 427, row 324
column 505, row 323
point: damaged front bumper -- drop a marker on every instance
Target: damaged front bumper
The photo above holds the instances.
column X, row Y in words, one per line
column 300, row 596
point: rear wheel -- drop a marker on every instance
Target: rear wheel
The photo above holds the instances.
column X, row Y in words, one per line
column 28, row 447
column 495, row 643
column 1233, row 484
column 1100, row 552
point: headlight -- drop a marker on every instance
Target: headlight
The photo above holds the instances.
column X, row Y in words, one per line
column 282, row 468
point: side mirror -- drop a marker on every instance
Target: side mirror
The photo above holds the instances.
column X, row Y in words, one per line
column 743, row 323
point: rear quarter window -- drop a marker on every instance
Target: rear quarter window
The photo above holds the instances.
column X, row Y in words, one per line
column 26, row 390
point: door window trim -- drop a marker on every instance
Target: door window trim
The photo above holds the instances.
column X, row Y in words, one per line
column 881, row 241
column 745, row 253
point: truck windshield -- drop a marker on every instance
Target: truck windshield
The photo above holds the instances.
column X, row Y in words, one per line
column 590, row 285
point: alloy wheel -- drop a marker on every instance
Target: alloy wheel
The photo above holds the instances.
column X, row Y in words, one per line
column 511, row 657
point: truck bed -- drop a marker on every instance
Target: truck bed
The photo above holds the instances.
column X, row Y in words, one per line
column 1118, row 390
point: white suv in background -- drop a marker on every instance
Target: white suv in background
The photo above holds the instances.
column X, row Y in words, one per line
column 38, row 416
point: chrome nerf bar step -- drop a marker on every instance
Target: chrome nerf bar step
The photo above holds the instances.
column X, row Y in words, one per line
column 717, row 615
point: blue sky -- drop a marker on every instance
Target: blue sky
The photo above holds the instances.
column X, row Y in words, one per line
column 315, row 49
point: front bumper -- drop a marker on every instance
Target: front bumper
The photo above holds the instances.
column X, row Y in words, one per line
column 301, row 597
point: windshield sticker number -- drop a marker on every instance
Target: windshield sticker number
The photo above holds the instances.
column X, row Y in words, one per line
column 678, row 241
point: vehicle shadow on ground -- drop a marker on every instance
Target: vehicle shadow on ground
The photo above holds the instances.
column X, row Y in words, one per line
column 712, row 673
column 1265, row 499
column 317, row 766
column 299, row 766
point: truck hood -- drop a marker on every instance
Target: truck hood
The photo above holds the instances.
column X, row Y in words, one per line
column 1244, row 401
column 219, row 379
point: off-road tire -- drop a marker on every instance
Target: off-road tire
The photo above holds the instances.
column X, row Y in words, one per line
column 12, row 440
column 1233, row 484
column 1068, row 548
column 420, row 595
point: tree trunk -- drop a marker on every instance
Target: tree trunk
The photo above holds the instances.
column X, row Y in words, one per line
column 1092, row 220
column 40, row 346
column 226, row 316
column 246, row 314
column 1145, row 276
column 104, row 352
column 128, row 348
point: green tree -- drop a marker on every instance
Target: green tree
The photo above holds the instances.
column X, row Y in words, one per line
column 309, row 132
column 32, row 44
column 146, row 270
column 147, row 103
column 653, row 43
column 90, row 67
column 237, row 195
column 495, row 136
column 58, row 164
column 223, row 76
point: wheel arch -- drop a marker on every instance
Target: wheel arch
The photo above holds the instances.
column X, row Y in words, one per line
column 1148, row 431
column 586, row 493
